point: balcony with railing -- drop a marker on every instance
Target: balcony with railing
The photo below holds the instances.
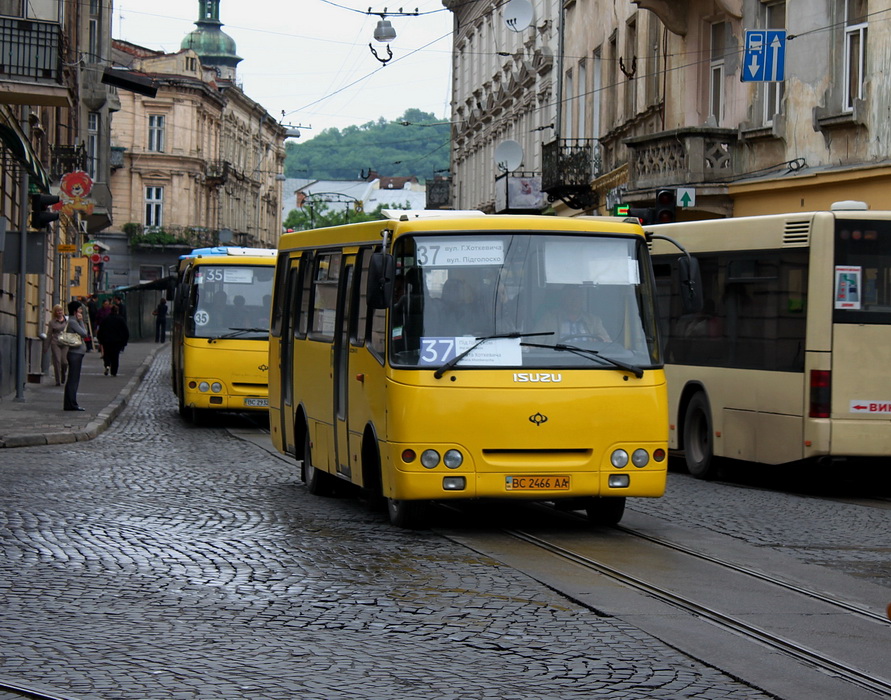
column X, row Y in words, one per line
column 692, row 155
column 569, row 166
column 31, row 56
column 217, row 172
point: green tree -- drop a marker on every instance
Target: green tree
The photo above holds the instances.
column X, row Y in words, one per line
column 320, row 215
column 415, row 144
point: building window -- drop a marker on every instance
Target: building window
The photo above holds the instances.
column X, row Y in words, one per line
column 93, row 122
column 596, row 86
column 156, row 133
column 583, row 100
column 150, row 273
column 612, row 77
column 716, row 71
column 154, row 207
column 568, row 106
column 95, row 46
column 775, row 18
column 630, row 69
column 855, row 52
column 654, row 63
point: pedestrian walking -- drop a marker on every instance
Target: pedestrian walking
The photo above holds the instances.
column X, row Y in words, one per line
column 75, row 324
column 58, row 353
column 102, row 314
column 119, row 303
column 160, row 315
column 113, row 337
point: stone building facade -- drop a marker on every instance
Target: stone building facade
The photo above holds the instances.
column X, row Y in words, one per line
column 199, row 163
column 654, row 95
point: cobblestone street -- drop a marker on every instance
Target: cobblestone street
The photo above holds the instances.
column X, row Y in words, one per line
column 167, row 561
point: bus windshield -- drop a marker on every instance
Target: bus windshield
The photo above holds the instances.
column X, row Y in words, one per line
column 556, row 297
column 231, row 301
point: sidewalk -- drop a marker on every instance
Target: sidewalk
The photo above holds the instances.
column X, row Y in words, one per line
column 39, row 418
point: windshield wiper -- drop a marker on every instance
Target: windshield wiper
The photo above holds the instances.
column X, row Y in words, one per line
column 479, row 341
column 237, row 332
column 591, row 354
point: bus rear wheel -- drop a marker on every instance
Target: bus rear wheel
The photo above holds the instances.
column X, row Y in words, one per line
column 698, row 448
column 605, row 511
column 409, row 515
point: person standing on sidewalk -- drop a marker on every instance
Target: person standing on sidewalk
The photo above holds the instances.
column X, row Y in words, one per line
column 160, row 315
column 75, row 355
column 58, row 353
column 113, row 337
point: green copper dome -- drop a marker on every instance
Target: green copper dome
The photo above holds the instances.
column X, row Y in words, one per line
column 213, row 46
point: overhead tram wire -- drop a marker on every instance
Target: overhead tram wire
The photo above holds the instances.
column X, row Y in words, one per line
column 366, row 77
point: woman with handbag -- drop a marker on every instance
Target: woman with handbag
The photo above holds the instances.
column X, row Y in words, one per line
column 58, row 352
column 75, row 354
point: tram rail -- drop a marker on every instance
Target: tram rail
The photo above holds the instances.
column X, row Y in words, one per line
column 818, row 659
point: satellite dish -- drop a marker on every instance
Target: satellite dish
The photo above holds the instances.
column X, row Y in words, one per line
column 508, row 155
column 518, row 15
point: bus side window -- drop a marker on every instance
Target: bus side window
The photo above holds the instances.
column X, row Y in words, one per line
column 370, row 327
column 306, row 279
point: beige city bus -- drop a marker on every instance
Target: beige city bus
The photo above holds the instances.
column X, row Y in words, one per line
column 789, row 358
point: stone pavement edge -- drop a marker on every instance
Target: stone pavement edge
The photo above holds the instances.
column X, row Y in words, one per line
column 37, row 417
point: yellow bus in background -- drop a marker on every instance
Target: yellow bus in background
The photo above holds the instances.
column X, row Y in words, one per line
column 220, row 330
column 786, row 362
column 438, row 355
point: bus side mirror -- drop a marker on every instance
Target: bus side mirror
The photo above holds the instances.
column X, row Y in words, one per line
column 691, row 284
column 381, row 272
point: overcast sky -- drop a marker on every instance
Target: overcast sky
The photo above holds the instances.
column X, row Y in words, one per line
column 310, row 58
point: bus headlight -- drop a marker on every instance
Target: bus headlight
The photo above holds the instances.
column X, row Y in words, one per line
column 203, row 386
column 619, row 459
column 216, row 387
column 430, row 458
column 640, row 458
column 453, row 459
column 619, row 481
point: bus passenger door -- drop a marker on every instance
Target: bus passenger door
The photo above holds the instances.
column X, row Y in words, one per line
column 342, row 370
column 285, row 400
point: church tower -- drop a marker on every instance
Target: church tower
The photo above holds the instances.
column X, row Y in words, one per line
column 214, row 47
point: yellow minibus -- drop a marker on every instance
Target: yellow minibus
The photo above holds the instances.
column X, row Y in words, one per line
column 435, row 356
column 220, row 332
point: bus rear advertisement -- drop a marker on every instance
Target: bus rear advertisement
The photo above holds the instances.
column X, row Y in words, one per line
column 430, row 358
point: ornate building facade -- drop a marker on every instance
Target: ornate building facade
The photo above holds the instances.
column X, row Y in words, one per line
column 655, row 95
column 198, row 162
column 54, row 119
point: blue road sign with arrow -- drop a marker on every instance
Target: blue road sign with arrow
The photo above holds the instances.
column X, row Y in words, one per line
column 765, row 59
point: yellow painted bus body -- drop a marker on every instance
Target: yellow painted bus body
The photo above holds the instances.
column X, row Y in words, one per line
column 523, row 431
column 216, row 367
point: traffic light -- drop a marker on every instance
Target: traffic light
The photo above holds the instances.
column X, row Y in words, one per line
column 666, row 207
column 40, row 215
column 646, row 215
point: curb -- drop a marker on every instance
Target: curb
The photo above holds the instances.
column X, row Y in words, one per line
column 96, row 426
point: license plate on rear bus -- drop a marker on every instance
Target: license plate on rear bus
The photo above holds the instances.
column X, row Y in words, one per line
column 257, row 403
column 537, row 483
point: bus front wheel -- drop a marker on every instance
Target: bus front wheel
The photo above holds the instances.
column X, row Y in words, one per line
column 410, row 515
column 605, row 511
column 698, row 448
